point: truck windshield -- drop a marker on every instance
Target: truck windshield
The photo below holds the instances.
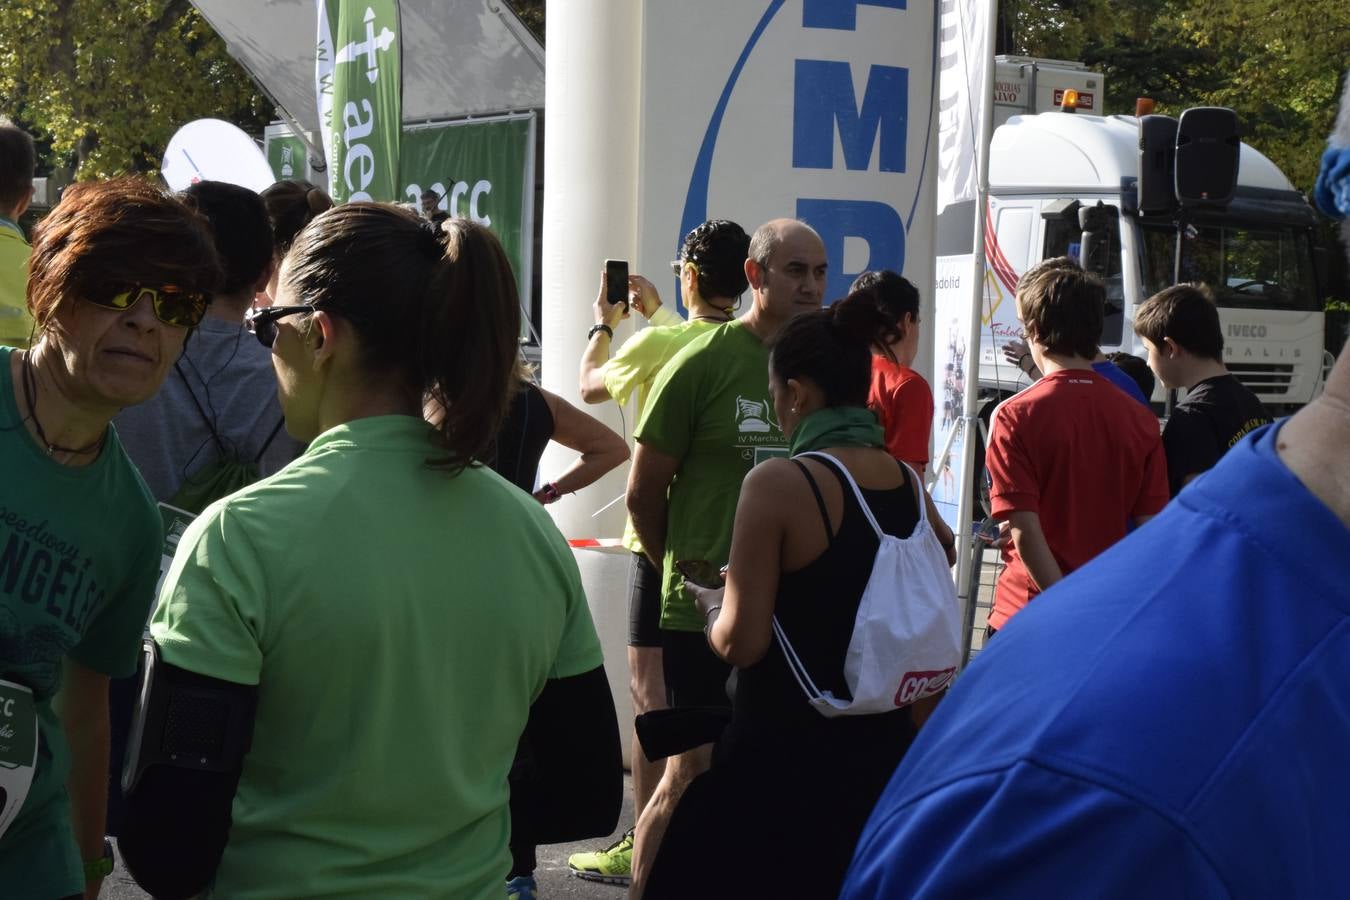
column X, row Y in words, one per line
column 1257, row 266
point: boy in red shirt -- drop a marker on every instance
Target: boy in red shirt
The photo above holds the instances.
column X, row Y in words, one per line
column 1072, row 459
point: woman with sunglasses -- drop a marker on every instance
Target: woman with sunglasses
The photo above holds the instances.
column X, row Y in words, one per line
column 378, row 623
column 117, row 280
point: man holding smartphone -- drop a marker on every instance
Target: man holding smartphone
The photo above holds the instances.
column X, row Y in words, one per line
column 711, row 270
column 708, row 421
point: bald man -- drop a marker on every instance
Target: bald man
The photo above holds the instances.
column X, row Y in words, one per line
column 708, row 421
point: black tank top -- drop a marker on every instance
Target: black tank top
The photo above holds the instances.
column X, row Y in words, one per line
column 522, row 438
column 816, row 607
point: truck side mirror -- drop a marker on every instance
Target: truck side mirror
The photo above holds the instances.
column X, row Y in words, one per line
column 1094, row 221
column 1157, row 161
column 1208, row 150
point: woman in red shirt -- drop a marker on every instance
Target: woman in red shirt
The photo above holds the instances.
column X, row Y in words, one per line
column 899, row 395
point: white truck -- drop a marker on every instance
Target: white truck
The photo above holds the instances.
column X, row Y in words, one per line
column 1025, row 85
column 1256, row 254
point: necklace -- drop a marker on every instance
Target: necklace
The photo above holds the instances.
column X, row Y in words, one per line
column 725, row 317
column 30, row 395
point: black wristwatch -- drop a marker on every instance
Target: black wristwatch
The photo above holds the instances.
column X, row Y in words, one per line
column 599, row 326
column 102, row 867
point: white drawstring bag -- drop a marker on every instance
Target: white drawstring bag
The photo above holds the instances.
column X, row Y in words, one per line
column 906, row 641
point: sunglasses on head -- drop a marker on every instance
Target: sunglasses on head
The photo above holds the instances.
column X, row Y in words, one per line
column 263, row 322
column 173, row 305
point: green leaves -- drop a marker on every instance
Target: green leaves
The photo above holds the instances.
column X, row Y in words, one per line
column 106, row 83
column 1279, row 66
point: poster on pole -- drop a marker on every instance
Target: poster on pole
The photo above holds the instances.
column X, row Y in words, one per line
column 951, row 362
column 819, row 109
column 362, row 124
column 483, row 170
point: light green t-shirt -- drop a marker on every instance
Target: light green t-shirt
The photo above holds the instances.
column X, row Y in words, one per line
column 79, row 555
column 398, row 622
column 636, row 365
column 16, row 325
column 710, row 408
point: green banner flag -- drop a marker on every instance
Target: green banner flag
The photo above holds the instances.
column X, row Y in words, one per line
column 287, row 156
column 366, row 97
column 478, row 170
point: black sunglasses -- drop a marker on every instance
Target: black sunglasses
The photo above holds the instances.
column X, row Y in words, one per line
column 173, row 305
column 263, row 322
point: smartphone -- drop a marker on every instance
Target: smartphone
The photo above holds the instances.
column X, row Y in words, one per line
column 616, row 281
column 700, row 572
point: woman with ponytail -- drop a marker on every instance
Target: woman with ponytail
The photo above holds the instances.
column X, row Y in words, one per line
column 376, row 625
column 788, row 783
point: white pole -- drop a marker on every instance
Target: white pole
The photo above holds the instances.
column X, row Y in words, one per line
column 970, row 419
column 591, row 100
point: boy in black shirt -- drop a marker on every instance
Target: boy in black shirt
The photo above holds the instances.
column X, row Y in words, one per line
column 1180, row 328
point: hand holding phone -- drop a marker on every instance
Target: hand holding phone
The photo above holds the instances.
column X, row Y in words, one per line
column 700, row 572
column 616, row 283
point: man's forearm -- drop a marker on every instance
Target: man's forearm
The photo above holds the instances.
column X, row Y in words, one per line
column 1031, row 545
column 649, row 521
column 593, row 358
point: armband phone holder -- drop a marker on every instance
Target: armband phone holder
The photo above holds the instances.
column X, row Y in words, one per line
column 186, row 721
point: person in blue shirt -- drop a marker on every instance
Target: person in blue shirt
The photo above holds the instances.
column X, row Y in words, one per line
column 1172, row 720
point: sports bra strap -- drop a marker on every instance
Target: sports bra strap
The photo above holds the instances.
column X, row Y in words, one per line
column 820, row 503
column 857, row 491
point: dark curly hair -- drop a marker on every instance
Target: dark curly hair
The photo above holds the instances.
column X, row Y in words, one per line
column 718, row 248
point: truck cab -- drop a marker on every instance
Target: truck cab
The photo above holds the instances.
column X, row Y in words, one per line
column 1256, row 254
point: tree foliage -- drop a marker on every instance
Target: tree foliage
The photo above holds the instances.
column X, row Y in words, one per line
column 1277, row 65
column 105, row 83
column 531, row 12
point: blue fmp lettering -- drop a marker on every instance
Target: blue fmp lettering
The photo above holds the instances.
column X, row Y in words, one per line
column 841, row 15
column 877, row 223
column 823, row 95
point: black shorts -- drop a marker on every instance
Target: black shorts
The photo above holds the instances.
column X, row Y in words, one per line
column 695, row 676
column 644, row 603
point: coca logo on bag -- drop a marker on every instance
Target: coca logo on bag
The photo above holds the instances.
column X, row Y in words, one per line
column 917, row 685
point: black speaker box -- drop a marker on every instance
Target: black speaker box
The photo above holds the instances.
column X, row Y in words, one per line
column 1208, row 147
column 1157, row 159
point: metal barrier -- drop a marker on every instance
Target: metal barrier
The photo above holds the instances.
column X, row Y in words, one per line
column 985, row 566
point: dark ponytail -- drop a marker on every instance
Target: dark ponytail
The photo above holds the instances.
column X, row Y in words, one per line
column 291, row 205
column 437, row 313
column 470, row 340
column 833, row 348
column 896, row 298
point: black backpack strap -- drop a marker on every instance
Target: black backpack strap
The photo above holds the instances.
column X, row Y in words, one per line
column 267, row 443
column 210, row 424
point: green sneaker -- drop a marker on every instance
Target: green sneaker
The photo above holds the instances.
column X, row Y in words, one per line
column 612, row 865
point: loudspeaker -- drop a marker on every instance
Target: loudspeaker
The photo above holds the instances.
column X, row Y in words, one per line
column 1157, row 160
column 1208, row 148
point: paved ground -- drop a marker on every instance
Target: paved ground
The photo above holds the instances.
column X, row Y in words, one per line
column 552, row 874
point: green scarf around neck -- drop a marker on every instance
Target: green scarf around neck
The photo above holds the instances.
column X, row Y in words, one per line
column 837, row 426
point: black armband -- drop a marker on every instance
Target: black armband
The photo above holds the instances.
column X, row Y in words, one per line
column 187, row 721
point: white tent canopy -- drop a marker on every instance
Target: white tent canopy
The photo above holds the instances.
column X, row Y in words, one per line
column 460, row 57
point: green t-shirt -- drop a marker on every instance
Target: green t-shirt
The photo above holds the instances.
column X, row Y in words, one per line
column 398, row 622
column 79, row 555
column 636, row 366
column 16, row 325
column 710, row 409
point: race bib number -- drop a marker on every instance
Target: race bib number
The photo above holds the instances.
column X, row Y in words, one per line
column 18, row 748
